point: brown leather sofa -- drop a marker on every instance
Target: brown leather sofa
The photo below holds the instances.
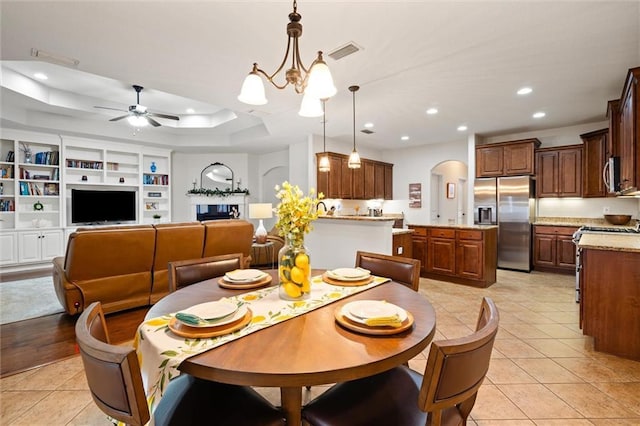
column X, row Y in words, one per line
column 174, row 241
column 126, row 267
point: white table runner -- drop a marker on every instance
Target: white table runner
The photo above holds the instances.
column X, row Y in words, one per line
column 160, row 351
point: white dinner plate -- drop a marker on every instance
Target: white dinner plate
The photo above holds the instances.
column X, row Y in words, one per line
column 216, row 310
column 244, row 275
column 361, row 310
column 349, row 274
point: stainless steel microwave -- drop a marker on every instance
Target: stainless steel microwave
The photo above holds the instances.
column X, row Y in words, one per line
column 611, row 174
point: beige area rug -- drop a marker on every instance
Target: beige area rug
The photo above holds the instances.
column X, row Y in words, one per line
column 26, row 299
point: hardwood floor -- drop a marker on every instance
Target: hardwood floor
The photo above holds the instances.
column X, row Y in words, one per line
column 40, row 341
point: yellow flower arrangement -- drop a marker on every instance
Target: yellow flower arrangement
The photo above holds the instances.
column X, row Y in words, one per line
column 295, row 212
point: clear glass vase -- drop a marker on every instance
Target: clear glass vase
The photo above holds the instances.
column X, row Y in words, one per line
column 294, row 270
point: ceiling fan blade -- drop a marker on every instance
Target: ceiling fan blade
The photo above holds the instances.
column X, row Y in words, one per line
column 170, row 117
column 153, row 122
column 119, row 118
column 113, row 109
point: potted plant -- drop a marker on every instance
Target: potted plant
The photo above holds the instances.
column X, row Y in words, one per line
column 156, row 218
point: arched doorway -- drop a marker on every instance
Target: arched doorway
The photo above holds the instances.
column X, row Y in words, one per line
column 449, row 192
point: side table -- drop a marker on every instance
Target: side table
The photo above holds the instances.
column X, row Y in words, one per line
column 266, row 248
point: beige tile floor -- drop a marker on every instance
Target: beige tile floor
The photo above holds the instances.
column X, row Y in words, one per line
column 543, row 371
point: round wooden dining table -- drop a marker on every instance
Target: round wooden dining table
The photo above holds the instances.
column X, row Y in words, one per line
column 310, row 349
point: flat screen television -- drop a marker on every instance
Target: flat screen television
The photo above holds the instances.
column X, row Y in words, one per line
column 95, row 206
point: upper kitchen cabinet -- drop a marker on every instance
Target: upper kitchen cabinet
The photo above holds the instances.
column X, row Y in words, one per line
column 559, row 171
column 513, row 158
column 330, row 183
column 613, row 138
column 629, row 142
column 374, row 179
column 595, row 153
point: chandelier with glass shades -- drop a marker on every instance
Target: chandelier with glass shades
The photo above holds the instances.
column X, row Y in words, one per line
column 315, row 83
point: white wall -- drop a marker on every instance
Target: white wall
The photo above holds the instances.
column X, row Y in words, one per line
column 186, row 168
column 587, row 207
column 413, row 165
column 552, row 137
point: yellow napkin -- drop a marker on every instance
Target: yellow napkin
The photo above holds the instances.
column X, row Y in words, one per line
column 390, row 321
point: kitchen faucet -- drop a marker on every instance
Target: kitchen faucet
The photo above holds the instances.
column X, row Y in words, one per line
column 323, row 205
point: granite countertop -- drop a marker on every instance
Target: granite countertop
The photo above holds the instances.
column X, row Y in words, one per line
column 398, row 231
column 613, row 242
column 459, row 226
column 360, row 218
column 579, row 221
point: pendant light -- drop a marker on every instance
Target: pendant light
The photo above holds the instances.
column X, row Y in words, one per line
column 354, row 158
column 323, row 164
column 315, row 81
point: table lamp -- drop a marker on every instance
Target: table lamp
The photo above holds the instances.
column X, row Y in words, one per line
column 261, row 211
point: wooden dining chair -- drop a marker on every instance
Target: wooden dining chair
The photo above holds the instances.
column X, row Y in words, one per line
column 115, row 382
column 186, row 272
column 445, row 394
column 400, row 269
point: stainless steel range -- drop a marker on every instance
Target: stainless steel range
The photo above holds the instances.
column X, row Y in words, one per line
column 597, row 230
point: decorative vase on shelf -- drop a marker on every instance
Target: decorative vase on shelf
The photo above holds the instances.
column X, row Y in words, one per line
column 153, row 167
column 294, row 270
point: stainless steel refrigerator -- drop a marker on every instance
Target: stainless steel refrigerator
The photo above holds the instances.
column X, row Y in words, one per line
column 509, row 203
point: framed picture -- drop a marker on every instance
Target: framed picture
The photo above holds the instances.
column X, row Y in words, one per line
column 50, row 189
column 415, row 195
column 451, row 190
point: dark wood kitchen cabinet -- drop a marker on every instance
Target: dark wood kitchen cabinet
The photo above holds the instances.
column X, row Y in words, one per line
column 629, row 142
column 512, row 158
column 441, row 251
column 346, row 179
column 609, row 300
column 419, row 246
column 595, row 154
column 374, row 179
column 457, row 254
column 553, row 248
column 403, row 244
column 559, row 171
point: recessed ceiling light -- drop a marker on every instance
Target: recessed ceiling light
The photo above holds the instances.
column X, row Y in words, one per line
column 462, row 128
column 524, row 91
column 190, row 110
column 41, row 76
column 404, row 138
column 539, row 114
column 432, row 111
column 368, row 125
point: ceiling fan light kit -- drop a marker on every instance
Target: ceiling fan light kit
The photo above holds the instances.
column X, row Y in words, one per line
column 138, row 115
column 316, row 82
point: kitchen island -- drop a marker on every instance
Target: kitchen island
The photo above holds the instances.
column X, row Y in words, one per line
column 463, row 254
column 610, row 292
column 335, row 239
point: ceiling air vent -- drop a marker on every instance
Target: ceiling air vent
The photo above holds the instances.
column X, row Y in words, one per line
column 367, row 131
column 343, row 51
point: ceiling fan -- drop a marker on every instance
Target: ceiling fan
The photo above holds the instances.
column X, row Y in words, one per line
column 138, row 115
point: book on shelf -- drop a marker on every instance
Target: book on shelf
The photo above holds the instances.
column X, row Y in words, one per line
column 47, row 157
column 82, row 164
column 10, row 156
column 24, row 188
column 7, row 206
